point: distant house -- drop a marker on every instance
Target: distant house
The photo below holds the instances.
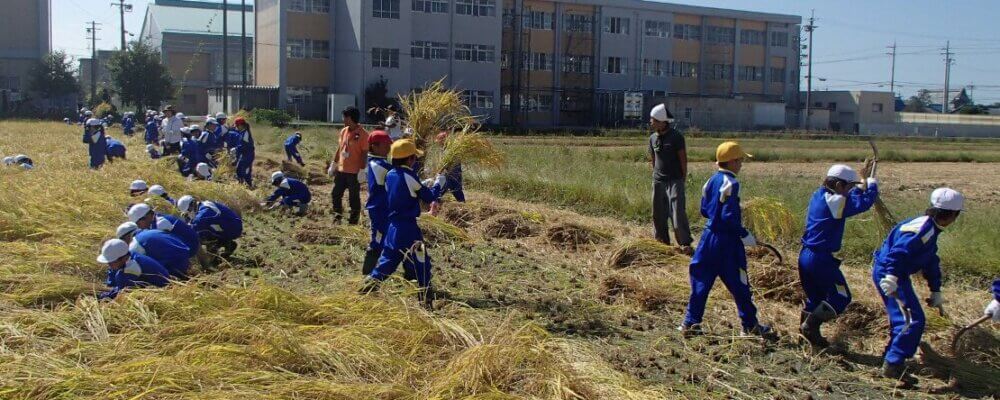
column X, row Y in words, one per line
column 958, row 98
column 851, row 110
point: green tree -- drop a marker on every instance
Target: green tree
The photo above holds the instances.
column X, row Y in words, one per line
column 377, row 100
column 919, row 102
column 139, row 77
column 53, row 76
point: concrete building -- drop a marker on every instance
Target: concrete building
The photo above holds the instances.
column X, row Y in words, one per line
column 101, row 76
column 189, row 37
column 852, row 111
column 535, row 63
column 25, row 36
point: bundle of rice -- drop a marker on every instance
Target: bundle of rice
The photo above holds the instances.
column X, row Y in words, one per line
column 650, row 292
column 769, row 219
column 434, row 109
column 646, row 253
column 468, row 147
column 510, row 226
column 572, row 235
column 436, row 231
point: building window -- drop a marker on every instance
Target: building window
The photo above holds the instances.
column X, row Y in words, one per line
column 720, row 35
column 385, row 9
column 430, row 6
column 296, row 48
column 720, row 72
column 752, row 37
column 320, row 49
column 504, row 60
column 751, row 73
column 658, row 29
column 876, row 107
column 478, row 99
column 777, row 75
column 314, row 6
column 577, row 64
column 616, row 65
column 687, row 32
column 578, row 23
column 779, row 39
column 537, row 20
column 653, row 67
column 308, row 48
column 537, row 61
column 832, row 106
column 385, row 58
column 508, row 18
column 478, row 8
column 682, row 69
column 429, row 50
column 537, row 102
column 616, row 25
column 659, row 93
column 475, row 52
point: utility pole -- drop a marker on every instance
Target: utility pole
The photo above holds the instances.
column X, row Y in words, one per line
column 122, row 9
column 809, row 78
column 946, row 106
column 225, row 56
column 892, row 74
column 243, row 52
column 92, row 32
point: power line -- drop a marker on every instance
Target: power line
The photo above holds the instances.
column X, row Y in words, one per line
column 92, row 35
column 123, row 8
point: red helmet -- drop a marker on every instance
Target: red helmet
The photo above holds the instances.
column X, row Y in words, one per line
column 379, row 136
column 241, row 120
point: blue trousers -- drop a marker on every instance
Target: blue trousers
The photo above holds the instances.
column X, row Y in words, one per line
column 404, row 244
column 293, row 152
column 822, row 280
column 453, row 183
column 902, row 345
column 720, row 256
column 380, row 223
column 244, row 169
column 98, row 154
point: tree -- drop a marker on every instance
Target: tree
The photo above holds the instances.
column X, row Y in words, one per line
column 377, row 100
column 919, row 102
column 973, row 109
column 139, row 77
column 53, row 76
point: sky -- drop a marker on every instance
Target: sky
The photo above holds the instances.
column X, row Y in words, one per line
column 850, row 42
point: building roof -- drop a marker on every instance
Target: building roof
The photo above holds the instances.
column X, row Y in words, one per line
column 196, row 17
column 648, row 5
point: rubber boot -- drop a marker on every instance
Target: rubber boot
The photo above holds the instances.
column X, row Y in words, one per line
column 763, row 331
column 426, row 297
column 371, row 259
column 899, row 373
column 810, row 327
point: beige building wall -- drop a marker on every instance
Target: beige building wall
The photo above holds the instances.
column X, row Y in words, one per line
column 268, row 15
column 189, row 66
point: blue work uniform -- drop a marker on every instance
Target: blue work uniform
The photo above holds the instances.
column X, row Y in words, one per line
column 116, row 149
column 191, row 153
column 453, row 182
column 996, row 289
column 128, row 125
column 168, row 249
column 377, row 204
column 138, row 271
column 152, row 131
column 216, row 222
column 292, row 148
column 231, row 137
column 720, row 253
column 245, row 152
column 154, row 154
column 819, row 270
column 97, row 146
column 292, row 192
column 403, row 240
column 910, row 248
column 177, row 227
column 206, row 145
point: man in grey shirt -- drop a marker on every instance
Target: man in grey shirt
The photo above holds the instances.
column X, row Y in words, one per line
column 668, row 155
column 171, row 131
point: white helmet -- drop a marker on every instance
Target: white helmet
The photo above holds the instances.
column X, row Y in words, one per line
column 947, row 199
column 157, row 190
column 136, row 212
column 8, row 160
column 194, row 127
column 220, row 115
column 181, row 116
column 185, row 129
column 276, row 176
column 125, row 229
column 88, row 113
column 391, row 121
column 138, row 184
column 203, row 170
column 112, row 250
column 184, row 204
column 94, row 122
column 150, row 147
column 211, row 120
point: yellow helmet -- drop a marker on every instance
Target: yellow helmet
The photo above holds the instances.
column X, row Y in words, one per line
column 404, row 148
column 729, row 151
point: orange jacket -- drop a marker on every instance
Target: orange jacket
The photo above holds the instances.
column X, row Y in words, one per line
column 352, row 150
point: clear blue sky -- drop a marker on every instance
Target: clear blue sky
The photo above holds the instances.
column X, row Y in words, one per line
column 850, row 43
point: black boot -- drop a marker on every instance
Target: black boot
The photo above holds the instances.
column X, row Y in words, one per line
column 810, row 327
column 764, row 331
column 426, row 297
column 371, row 259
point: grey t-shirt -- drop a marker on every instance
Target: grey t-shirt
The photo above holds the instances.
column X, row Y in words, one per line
column 664, row 150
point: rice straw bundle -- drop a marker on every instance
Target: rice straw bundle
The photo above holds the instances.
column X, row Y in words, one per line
column 433, row 110
column 769, row 219
column 468, row 147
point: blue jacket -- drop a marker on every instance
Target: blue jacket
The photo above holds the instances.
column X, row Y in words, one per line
column 168, row 249
column 378, row 169
column 139, row 271
column 404, row 193
column 177, row 227
column 291, row 191
column 720, row 204
column 97, row 142
column 996, row 289
column 152, row 133
column 216, row 221
column 828, row 213
column 116, row 148
column 191, row 151
column 128, row 123
column 208, row 141
column 245, row 147
column 910, row 248
column 293, row 141
column 231, row 138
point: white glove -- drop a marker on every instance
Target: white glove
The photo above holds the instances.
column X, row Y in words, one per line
column 936, row 300
column 427, row 182
column 889, row 285
column 993, row 310
column 749, row 240
column 440, row 180
column 872, row 182
column 331, row 169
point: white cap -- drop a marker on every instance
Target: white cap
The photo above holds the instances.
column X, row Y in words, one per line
column 181, row 115
column 150, row 147
column 112, row 250
column 157, row 190
column 203, row 170
column 660, row 113
column 844, row 173
column 20, row 157
column 184, row 203
column 220, row 115
column 8, row 160
column 947, row 199
column 138, row 184
column 195, row 127
column 88, row 113
column 277, row 175
column 211, row 120
column 136, row 212
column 125, row 229
column 94, row 122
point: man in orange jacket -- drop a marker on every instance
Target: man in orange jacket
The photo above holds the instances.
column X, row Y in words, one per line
column 348, row 161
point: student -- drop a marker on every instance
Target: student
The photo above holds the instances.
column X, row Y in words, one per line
column 153, row 152
column 145, row 218
column 138, row 187
column 203, row 172
column 379, row 144
column 910, row 248
column 218, row 226
column 245, row 153
column 392, row 127
column 721, row 251
column 453, row 175
column 209, row 141
column 128, row 123
column 350, row 158
column 161, row 246
column 827, row 293
column 152, row 128
column 190, row 151
column 116, row 149
column 23, row 161
column 993, row 308
column 97, row 144
column 127, row 269
column 158, row 190
column 292, row 148
column 292, row 193
column 403, row 242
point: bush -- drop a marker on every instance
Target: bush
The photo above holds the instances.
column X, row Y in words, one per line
column 104, row 109
column 278, row 118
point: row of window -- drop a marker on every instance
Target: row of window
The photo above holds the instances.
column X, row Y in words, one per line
column 662, row 68
column 477, row 8
column 478, row 98
column 532, row 103
column 313, row 6
column 308, row 48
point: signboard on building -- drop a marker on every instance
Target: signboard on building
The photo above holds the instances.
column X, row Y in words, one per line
column 632, row 109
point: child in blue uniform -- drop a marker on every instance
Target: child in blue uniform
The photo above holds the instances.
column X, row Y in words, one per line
column 190, row 150
column 145, row 218
column 126, row 269
column 292, row 148
column 292, row 192
column 128, row 123
column 158, row 190
column 827, row 294
column 911, row 248
column 245, row 153
column 153, row 152
column 152, row 129
column 160, row 246
column 116, row 149
column 721, row 251
column 218, row 226
column 403, row 242
column 993, row 308
column 379, row 143
column 453, row 175
column 97, row 144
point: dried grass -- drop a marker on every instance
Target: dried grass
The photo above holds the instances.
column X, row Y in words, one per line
column 769, row 219
column 510, row 226
column 651, row 293
column 646, row 253
column 572, row 236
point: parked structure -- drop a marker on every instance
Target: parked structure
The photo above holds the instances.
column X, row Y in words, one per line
column 851, row 111
column 25, row 27
column 188, row 35
column 534, row 63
